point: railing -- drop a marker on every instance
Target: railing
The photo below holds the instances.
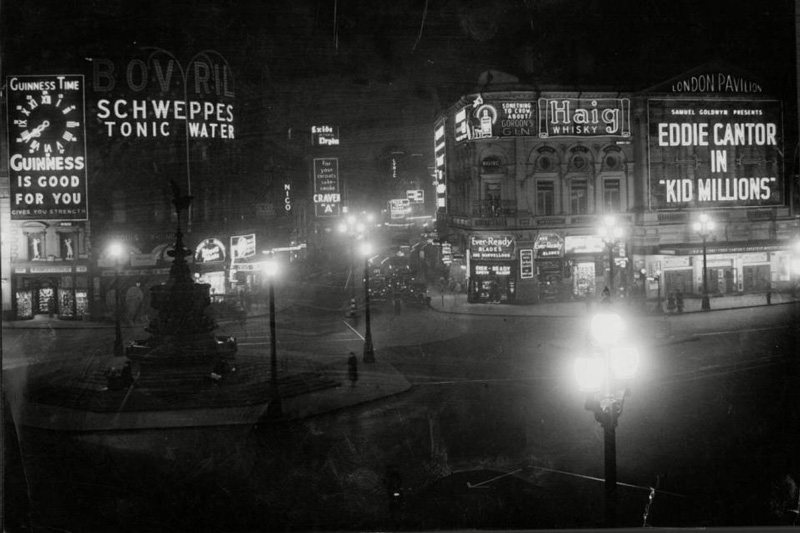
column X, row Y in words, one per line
column 488, row 208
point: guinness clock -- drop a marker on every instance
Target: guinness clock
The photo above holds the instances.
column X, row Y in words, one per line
column 45, row 122
column 47, row 147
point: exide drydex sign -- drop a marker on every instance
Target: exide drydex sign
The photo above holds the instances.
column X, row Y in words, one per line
column 324, row 136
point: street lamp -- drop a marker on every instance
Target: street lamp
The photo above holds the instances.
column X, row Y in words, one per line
column 603, row 373
column 116, row 251
column 611, row 234
column 369, row 351
column 354, row 228
column 704, row 228
column 657, row 277
column 274, row 411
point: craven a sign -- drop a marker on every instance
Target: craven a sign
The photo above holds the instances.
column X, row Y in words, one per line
column 327, row 196
column 707, row 153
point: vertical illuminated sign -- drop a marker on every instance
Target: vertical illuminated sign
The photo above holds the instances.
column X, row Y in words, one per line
column 327, row 195
column 47, row 147
column 439, row 153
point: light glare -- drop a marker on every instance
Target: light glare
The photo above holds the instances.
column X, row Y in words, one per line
column 589, row 373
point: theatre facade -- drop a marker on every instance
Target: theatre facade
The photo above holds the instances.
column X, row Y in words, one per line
column 555, row 195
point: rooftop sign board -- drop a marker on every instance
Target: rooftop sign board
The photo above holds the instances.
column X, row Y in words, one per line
column 327, row 195
column 47, row 147
column 714, row 153
column 545, row 117
column 584, row 117
column 324, row 136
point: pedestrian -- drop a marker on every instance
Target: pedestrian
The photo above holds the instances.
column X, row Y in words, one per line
column 352, row 369
column 126, row 376
column 398, row 304
column 679, row 300
column 605, row 298
column 671, row 302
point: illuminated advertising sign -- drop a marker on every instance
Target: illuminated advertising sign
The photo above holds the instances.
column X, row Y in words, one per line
column 584, row 244
column 416, row 196
column 715, row 82
column 497, row 270
column 137, row 98
column 209, row 251
column 287, row 197
column 461, row 126
column 584, row 117
column 715, row 153
column 439, row 152
column 47, row 147
column 548, row 245
column 327, row 198
column 526, row 264
column 491, row 247
column 324, row 136
column 486, row 120
column 243, row 246
column 399, row 207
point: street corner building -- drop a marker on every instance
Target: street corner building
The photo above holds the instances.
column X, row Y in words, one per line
column 555, row 194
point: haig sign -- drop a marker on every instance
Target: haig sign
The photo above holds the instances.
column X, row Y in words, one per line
column 715, row 153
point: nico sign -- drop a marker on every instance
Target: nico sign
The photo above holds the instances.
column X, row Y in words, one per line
column 47, row 147
column 715, row 153
column 327, row 198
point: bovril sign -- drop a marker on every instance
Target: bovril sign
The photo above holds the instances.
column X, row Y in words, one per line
column 491, row 247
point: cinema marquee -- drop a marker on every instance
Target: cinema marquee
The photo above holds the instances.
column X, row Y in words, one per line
column 715, row 153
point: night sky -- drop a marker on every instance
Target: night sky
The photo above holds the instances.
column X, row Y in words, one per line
column 382, row 70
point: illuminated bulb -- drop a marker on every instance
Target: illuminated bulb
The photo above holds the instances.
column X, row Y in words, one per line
column 271, row 268
column 606, row 328
column 624, row 362
column 590, row 373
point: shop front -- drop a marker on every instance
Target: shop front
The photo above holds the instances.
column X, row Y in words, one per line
column 57, row 291
column 210, row 257
column 730, row 268
column 587, row 264
column 492, row 269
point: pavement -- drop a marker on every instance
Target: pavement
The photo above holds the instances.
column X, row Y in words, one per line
column 375, row 380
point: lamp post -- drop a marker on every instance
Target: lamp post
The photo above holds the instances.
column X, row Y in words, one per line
column 603, row 373
column 116, row 250
column 611, row 234
column 704, row 228
column 657, row 276
column 354, row 228
column 274, row 410
column 369, row 351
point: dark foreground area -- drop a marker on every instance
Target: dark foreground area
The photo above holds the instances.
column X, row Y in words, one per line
column 386, row 465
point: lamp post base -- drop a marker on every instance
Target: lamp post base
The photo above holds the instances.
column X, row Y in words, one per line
column 275, row 409
column 705, row 304
column 369, row 353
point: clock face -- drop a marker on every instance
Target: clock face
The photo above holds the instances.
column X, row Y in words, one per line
column 45, row 123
